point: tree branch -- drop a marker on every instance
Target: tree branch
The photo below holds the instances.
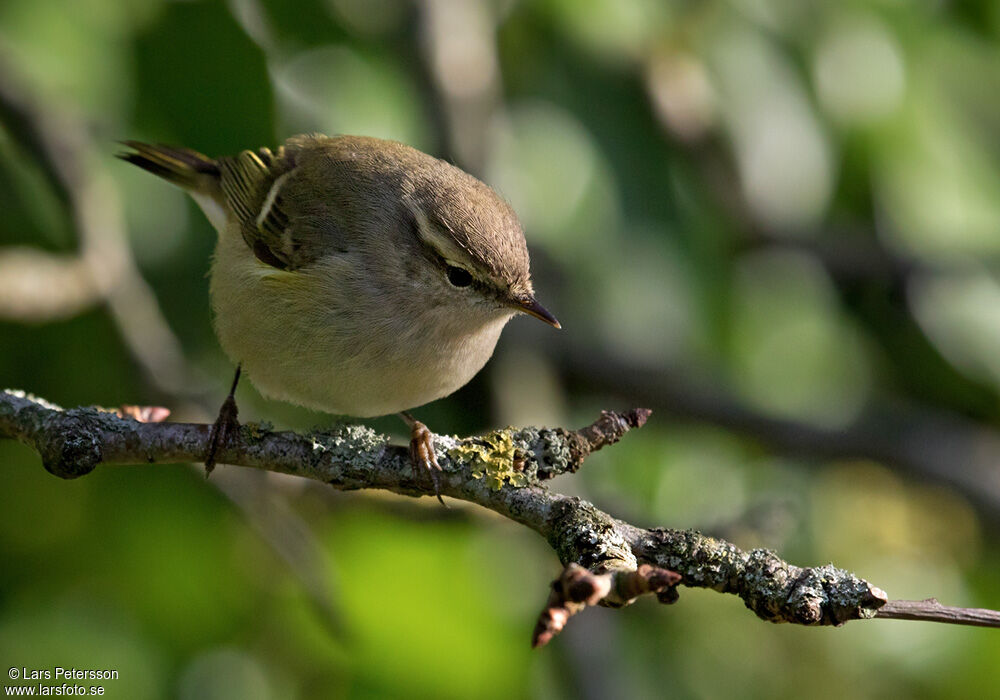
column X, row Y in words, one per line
column 608, row 561
column 932, row 611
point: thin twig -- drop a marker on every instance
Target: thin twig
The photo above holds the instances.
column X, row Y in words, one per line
column 932, row 611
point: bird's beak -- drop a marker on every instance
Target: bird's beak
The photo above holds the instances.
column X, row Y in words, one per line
column 531, row 307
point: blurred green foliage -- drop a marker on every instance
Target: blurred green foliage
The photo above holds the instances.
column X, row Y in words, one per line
column 797, row 200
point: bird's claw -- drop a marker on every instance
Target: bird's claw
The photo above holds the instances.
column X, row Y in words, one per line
column 225, row 426
column 422, row 454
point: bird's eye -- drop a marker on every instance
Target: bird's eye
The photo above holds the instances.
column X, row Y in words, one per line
column 459, row 276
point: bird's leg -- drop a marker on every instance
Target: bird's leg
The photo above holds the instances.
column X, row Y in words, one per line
column 225, row 425
column 422, row 454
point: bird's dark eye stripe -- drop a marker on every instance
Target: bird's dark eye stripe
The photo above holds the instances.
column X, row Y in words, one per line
column 458, row 276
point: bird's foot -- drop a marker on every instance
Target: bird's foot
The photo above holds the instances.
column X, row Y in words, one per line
column 225, row 426
column 422, row 454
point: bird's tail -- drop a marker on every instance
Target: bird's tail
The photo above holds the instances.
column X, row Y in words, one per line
column 183, row 167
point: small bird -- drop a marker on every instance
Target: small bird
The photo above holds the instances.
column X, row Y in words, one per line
column 353, row 275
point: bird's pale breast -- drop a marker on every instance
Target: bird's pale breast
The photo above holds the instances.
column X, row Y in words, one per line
column 314, row 338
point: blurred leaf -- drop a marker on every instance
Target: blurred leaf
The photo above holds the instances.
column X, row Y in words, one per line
column 859, row 71
column 73, row 52
column 549, row 167
column 611, row 29
column 338, row 91
column 226, row 674
column 426, row 623
column 785, row 161
column 961, row 315
column 938, row 184
column 795, row 355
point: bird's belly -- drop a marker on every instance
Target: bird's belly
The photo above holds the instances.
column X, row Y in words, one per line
column 268, row 320
column 355, row 385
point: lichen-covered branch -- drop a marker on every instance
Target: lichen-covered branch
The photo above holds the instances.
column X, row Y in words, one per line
column 504, row 470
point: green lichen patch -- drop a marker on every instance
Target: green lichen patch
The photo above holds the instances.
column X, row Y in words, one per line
column 253, row 432
column 492, row 457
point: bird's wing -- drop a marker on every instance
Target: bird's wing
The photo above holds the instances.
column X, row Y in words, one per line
column 253, row 184
column 259, row 188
